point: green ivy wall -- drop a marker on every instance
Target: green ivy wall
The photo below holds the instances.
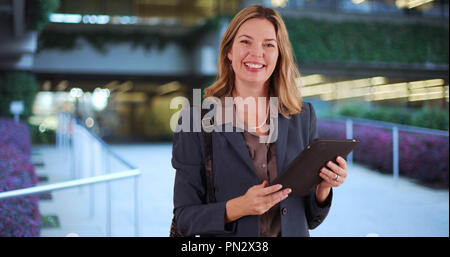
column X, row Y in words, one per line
column 312, row 41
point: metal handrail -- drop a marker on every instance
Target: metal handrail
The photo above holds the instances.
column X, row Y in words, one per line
column 105, row 145
column 388, row 125
column 132, row 172
column 349, row 122
column 70, row 184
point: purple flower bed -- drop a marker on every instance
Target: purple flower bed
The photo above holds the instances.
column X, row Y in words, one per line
column 18, row 216
column 375, row 148
column 425, row 157
column 17, row 134
column 421, row 156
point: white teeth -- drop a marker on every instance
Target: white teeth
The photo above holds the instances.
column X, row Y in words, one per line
column 255, row 66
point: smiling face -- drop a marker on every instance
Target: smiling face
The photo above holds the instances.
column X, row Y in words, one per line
column 254, row 52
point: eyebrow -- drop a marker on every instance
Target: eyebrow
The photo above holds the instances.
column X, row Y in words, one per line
column 267, row 39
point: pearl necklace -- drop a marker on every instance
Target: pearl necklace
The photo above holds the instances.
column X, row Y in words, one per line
column 264, row 123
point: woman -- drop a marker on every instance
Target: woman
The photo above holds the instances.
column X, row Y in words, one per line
column 255, row 60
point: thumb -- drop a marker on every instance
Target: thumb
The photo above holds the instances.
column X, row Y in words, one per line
column 263, row 184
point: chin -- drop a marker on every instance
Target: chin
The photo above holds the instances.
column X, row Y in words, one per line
column 255, row 80
column 252, row 82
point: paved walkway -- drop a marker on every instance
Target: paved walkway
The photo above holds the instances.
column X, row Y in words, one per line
column 367, row 204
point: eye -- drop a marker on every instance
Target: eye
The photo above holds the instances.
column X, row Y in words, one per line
column 244, row 41
column 269, row 45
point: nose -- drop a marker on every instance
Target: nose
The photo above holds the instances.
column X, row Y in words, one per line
column 257, row 50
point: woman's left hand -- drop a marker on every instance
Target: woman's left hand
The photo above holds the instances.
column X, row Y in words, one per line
column 333, row 175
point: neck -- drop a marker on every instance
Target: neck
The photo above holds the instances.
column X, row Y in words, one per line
column 253, row 115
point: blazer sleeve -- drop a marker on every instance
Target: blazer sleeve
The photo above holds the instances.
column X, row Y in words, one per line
column 193, row 215
column 315, row 213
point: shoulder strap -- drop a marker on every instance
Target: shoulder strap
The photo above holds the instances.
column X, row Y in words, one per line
column 208, row 174
column 208, row 163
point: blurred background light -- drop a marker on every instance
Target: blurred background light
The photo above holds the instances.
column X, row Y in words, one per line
column 89, row 122
column 65, row 18
column 100, row 98
column 279, row 3
column 411, row 3
column 76, row 92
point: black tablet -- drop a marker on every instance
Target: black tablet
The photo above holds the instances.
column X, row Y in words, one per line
column 302, row 174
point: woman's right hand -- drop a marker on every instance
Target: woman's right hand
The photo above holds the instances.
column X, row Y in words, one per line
column 256, row 201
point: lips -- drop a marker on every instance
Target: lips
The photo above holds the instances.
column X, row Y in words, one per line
column 254, row 66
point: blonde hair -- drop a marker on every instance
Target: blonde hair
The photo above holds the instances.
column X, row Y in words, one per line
column 283, row 79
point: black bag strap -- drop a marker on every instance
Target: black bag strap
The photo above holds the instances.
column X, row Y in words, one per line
column 209, row 175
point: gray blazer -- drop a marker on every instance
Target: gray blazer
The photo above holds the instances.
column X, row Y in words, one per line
column 234, row 174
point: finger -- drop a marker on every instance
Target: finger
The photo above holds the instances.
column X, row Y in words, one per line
column 262, row 185
column 329, row 177
column 329, row 181
column 342, row 162
column 327, row 173
column 278, row 196
column 271, row 189
column 336, row 169
column 286, row 191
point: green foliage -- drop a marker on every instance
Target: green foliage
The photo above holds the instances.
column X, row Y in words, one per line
column 17, row 86
column 314, row 40
column 49, row 221
column 433, row 118
column 38, row 12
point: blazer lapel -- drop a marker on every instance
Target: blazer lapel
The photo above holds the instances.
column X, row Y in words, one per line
column 281, row 142
column 236, row 140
